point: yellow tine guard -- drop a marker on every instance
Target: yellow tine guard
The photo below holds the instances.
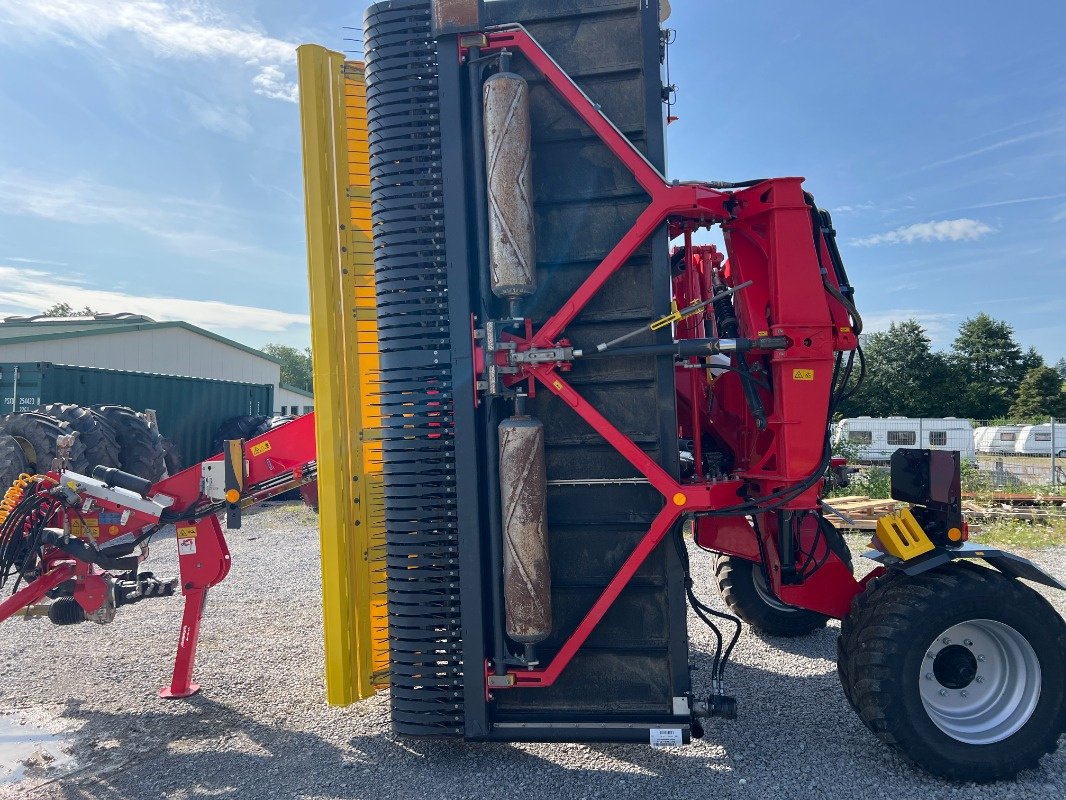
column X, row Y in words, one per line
column 345, row 362
column 901, row 536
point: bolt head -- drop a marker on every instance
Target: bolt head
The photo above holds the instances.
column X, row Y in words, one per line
column 930, row 655
column 968, row 642
column 943, row 692
column 979, row 679
column 929, row 676
column 964, row 693
column 946, row 640
column 980, row 658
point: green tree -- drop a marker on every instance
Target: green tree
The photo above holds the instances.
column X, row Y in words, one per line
column 295, row 364
column 990, row 365
column 65, row 310
column 1060, row 367
column 1039, row 395
column 903, row 376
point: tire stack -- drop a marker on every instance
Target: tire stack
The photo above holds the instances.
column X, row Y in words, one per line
column 143, row 450
column 110, row 436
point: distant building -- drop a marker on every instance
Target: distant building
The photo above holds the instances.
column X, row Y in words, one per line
column 140, row 344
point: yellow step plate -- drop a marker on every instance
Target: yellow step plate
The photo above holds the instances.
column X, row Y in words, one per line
column 901, row 536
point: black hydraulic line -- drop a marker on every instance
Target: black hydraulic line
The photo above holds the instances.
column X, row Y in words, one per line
column 726, row 325
column 78, row 549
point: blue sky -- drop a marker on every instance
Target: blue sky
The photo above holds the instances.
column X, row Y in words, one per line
column 150, row 161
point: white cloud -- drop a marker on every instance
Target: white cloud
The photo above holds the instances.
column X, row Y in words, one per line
column 270, row 82
column 179, row 30
column 32, row 291
column 184, row 226
column 947, row 230
column 865, row 206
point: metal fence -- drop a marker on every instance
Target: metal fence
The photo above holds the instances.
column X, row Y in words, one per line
column 1021, row 455
column 997, row 455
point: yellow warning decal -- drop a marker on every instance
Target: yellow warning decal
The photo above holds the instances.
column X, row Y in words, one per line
column 845, row 329
column 803, row 374
column 187, row 532
column 259, row 449
column 557, row 384
column 763, row 333
column 89, row 527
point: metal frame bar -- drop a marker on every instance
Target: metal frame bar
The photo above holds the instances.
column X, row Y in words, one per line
column 698, row 204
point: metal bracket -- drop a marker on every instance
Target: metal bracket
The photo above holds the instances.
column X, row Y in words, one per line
column 542, row 355
column 491, row 336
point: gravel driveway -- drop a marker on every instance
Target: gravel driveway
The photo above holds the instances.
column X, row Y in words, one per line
column 261, row 729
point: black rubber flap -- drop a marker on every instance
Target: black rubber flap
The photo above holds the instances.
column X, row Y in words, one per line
column 416, row 384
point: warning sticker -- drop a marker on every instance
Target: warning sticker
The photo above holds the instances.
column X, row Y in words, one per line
column 186, row 547
column 665, row 737
column 803, row 374
column 187, row 532
column 259, row 449
column 82, row 528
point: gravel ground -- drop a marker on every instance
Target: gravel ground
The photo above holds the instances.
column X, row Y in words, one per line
column 261, row 729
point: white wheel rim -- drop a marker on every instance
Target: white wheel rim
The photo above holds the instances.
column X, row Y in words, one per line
column 763, row 591
column 980, row 681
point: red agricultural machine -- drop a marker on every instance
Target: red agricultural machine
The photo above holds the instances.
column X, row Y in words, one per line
column 565, row 400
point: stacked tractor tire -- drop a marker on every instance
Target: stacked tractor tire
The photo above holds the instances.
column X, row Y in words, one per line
column 110, row 436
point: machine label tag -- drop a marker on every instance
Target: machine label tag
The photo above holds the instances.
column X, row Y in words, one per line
column 186, row 547
column 259, row 449
column 803, row 374
column 665, row 737
column 187, row 532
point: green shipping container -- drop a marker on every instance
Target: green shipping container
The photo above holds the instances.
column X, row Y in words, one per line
column 189, row 410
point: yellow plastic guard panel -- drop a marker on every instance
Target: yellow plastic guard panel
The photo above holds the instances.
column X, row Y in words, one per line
column 901, row 535
column 345, row 362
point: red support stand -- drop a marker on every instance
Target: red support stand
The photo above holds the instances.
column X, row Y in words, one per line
column 203, row 560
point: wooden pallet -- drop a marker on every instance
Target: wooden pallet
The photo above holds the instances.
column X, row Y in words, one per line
column 863, row 512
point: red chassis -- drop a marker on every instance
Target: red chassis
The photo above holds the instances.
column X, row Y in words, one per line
column 274, row 462
column 780, row 454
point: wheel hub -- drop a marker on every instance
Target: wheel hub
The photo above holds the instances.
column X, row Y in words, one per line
column 980, row 681
column 955, row 667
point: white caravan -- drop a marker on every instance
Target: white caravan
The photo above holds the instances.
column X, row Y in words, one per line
column 1037, row 440
column 877, row 438
column 998, row 440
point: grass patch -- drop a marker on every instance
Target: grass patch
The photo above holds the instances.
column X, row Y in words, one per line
column 1012, row 533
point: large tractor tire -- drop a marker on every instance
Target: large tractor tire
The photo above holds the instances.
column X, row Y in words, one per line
column 743, row 587
column 101, row 444
column 12, row 462
column 243, row 427
column 961, row 669
column 37, row 434
column 140, row 446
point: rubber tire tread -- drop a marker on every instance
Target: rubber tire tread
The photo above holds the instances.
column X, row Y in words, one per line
column 94, row 431
column 244, row 426
column 40, row 432
column 912, row 610
column 12, row 462
column 141, row 450
column 736, row 584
